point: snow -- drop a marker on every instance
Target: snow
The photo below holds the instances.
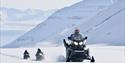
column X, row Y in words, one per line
column 102, row 54
column 12, row 14
column 108, row 25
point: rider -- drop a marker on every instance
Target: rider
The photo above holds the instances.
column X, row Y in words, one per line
column 76, row 36
column 39, row 51
column 38, row 54
column 26, row 54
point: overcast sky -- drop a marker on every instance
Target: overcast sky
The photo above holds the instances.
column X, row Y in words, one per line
column 37, row 4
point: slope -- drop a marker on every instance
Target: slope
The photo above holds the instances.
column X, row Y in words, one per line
column 107, row 27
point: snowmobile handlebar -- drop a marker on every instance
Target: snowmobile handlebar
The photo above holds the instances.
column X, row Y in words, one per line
column 69, row 38
column 86, row 38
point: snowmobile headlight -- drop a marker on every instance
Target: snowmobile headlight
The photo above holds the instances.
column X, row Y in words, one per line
column 80, row 43
column 40, row 54
column 75, row 43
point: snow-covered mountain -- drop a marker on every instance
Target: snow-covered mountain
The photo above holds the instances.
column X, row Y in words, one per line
column 106, row 27
column 12, row 14
column 94, row 19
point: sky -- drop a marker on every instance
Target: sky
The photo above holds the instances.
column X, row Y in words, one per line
column 37, row 4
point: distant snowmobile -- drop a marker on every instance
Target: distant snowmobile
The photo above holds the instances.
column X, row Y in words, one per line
column 39, row 55
column 26, row 55
column 77, row 52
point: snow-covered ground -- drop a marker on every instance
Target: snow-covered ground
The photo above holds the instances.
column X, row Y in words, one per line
column 102, row 54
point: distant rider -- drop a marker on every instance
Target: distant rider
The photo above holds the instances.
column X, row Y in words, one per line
column 26, row 55
column 39, row 54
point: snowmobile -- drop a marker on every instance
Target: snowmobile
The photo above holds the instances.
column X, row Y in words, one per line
column 39, row 55
column 76, row 51
column 26, row 55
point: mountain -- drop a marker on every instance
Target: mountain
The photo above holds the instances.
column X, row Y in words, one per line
column 12, row 14
column 84, row 14
column 107, row 27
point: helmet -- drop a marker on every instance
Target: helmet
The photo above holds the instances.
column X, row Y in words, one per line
column 38, row 49
column 77, row 30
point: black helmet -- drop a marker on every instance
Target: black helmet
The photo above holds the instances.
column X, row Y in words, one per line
column 39, row 49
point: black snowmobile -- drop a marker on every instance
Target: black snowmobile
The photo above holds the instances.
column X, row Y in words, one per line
column 26, row 55
column 39, row 55
column 76, row 51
